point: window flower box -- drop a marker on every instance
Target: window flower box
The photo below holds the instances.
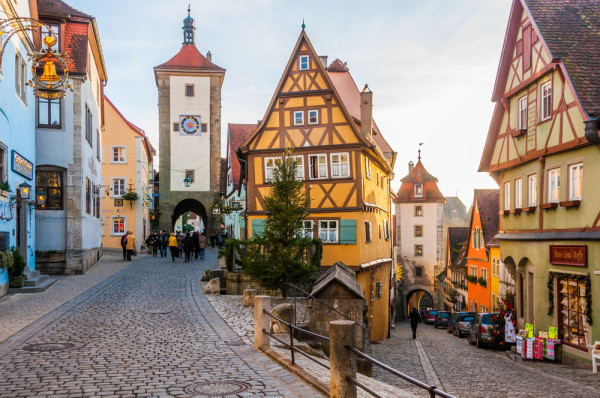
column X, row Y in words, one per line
column 570, row 203
column 547, row 206
column 529, row 209
column 3, row 195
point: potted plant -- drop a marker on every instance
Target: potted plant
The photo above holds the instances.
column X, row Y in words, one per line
column 15, row 271
column 482, row 282
column 131, row 196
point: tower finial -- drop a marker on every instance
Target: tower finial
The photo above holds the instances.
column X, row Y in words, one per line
column 188, row 28
column 420, row 144
column 189, row 8
column 303, row 24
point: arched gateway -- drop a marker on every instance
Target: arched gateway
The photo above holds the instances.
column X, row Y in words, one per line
column 189, row 109
column 418, row 299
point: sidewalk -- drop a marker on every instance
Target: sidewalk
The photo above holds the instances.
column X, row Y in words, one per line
column 18, row 310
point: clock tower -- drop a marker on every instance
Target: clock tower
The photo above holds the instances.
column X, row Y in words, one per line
column 189, row 107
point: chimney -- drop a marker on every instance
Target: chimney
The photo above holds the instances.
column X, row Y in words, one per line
column 366, row 112
column 411, row 166
column 323, row 59
column 209, row 56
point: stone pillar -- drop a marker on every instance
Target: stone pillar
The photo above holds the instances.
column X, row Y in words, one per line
column 342, row 360
column 261, row 321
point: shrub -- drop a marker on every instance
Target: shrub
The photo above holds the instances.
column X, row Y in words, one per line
column 15, row 271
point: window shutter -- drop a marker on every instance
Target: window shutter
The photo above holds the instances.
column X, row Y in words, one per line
column 527, row 48
column 348, row 232
column 258, row 227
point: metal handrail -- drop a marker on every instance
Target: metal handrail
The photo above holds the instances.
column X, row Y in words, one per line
column 328, row 306
column 320, row 336
column 291, row 347
column 433, row 391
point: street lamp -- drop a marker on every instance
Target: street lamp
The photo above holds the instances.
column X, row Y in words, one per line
column 25, row 190
column 187, row 181
column 40, row 198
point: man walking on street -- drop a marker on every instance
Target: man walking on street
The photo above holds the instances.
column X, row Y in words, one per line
column 164, row 241
column 415, row 319
column 124, row 244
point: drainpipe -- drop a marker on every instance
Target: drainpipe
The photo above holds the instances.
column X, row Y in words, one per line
column 245, row 180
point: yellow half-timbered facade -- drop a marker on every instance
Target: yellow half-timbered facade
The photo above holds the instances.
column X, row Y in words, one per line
column 318, row 112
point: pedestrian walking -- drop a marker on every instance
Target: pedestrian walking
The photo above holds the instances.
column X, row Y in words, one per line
column 130, row 245
column 152, row 242
column 123, row 245
column 180, row 238
column 173, row 246
column 415, row 319
column 202, row 241
column 221, row 239
column 164, row 243
column 196, row 240
column 213, row 238
column 188, row 246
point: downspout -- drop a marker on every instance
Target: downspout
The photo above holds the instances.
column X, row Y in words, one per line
column 244, row 181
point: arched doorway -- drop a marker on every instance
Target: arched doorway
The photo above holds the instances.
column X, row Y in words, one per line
column 418, row 299
column 191, row 205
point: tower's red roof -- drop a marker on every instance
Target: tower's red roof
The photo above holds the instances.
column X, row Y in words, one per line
column 418, row 175
column 189, row 58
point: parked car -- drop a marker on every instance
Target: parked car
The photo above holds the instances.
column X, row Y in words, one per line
column 460, row 323
column 430, row 318
column 441, row 319
column 481, row 329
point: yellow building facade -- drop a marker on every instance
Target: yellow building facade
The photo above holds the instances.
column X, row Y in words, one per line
column 126, row 166
column 495, row 298
column 319, row 113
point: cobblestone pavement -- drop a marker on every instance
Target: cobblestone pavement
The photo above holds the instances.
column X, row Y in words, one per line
column 146, row 331
column 460, row 369
column 18, row 310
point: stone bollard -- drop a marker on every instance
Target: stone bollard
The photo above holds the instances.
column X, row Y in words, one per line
column 342, row 360
column 261, row 321
column 249, row 295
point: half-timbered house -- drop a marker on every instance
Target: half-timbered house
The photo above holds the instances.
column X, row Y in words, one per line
column 544, row 132
column 346, row 164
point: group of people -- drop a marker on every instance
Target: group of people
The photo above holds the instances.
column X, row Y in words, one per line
column 188, row 245
column 218, row 239
column 128, row 245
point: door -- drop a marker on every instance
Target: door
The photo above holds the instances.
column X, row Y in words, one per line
column 21, row 228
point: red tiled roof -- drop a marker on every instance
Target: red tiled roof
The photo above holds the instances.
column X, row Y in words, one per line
column 488, row 201
column 418, row 174
column 570, row 29
column 348, row 91
column 236, row 135
column 189, row 58
column 58, row 8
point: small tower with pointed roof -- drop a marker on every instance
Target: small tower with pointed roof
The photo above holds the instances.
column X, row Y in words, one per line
column 419, row 232
column 189, row 104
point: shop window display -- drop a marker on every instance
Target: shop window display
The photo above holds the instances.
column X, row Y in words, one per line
column 572, row 314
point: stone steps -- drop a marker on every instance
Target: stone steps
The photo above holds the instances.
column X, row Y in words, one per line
column 34, row 283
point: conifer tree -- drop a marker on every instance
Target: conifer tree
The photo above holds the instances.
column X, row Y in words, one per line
column 281, row 255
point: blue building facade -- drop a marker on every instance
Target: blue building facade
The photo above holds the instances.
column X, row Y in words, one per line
column 17, row 147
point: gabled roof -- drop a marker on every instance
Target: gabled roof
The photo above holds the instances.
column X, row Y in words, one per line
column 236, row 134
column 417, row 175
column 190, row 58
column 150, row 151
column 571, row 29
column 488, row 203
column 456, row 238
column 59, row 8
column 341, row 274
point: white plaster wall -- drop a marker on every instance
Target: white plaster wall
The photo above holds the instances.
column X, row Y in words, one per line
column 406, row 229
column 190, row 152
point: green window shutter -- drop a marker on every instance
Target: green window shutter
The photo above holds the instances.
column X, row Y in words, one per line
column 348, row 232
column 258, row 227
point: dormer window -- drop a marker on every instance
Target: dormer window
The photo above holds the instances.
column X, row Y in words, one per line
column 418, row 190
column 303, row 62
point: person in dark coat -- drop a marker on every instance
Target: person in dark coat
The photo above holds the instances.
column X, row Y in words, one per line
column 188, row 246
column 123, row 245
column 415, row 319
column 164, row 242
column 195, row 236
column 180, row 238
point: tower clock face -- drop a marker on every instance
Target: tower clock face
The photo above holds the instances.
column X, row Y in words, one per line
column 190, row 124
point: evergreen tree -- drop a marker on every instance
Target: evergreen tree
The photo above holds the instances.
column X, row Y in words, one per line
column 281, row 255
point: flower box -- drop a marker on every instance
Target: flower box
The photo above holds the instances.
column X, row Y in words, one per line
column 3, row 195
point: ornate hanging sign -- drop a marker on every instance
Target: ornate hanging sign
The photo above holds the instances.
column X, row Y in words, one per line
column 189, row 125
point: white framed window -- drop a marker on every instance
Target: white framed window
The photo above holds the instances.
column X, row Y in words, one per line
column 368, row 235
column 270, row 164
column 473, row 270
column 307, row 229
column 493, row 265
column 418, row 190
column 317, row 166
column 553, row 185
column 484, row 274
column 386, row 229
column 313, row 116
column 546, row 105
column 418, row 250
column 418, row 211
column 300, row 167
column 119, row 225
column 118, row 154
column 118, row 187
column 575, row 181
column 329, row 231
column 522, row 117
column 20, row 76
column 532, row 190
column 298, row 118
column 507, row 195
column 303, row 62
column 340, row 165
column 368, row 167
column 518, row 193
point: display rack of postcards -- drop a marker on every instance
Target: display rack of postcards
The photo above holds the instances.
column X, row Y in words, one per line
column 541, row 347
column 572, row 312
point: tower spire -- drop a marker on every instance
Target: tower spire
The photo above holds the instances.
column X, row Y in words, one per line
column 189, row 28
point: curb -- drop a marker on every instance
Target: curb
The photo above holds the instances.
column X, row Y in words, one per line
column 295, row 369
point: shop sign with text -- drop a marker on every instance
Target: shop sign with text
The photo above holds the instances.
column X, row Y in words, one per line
column 569, row 255
column 21, row 165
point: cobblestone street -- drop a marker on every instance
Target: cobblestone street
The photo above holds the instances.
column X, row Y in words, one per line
column 147, row 330
column 440, row 358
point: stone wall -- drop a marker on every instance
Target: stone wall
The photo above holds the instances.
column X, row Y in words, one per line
column 320, row 315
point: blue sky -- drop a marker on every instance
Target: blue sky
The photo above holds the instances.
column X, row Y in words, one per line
column 430, row 63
